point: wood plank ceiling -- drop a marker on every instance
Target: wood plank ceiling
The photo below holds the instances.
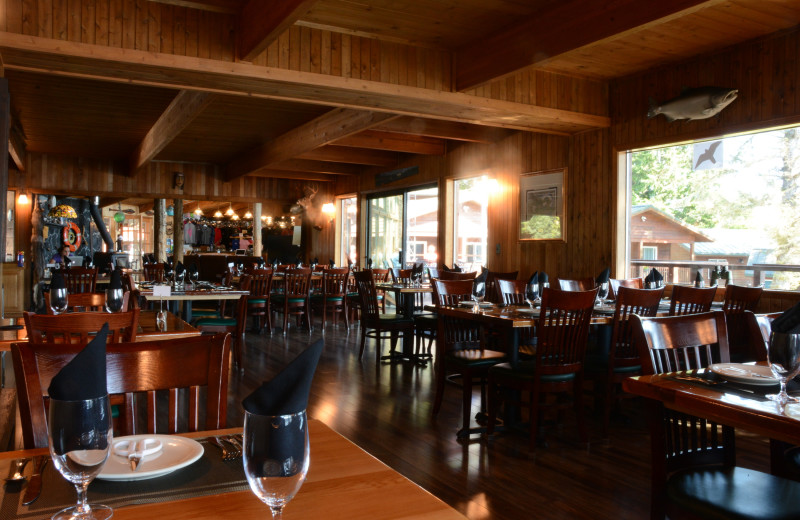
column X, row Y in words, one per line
column 262, row 114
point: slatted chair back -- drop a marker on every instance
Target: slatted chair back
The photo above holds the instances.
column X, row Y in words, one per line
column 433, row 273
column 615, row 283
column 79, row 327
column 739, row 299
column 492, row 292
column 453, row 275
column 449, row 293
column 133, row 369
column 562, row 330
column 643, row 302
column 297, row 283
column 334, row 282
column 512, row 292
column 581, row 284
column 691, row 300
column 368, row 295
column 80, row 279
column 260, row 283
column 87, row 302
column 154, row 272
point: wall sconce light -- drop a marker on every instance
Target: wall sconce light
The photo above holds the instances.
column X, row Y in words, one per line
column 490, row 184
column 23, row 198
column 329, row 210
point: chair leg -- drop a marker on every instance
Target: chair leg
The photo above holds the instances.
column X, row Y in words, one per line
column 466, row 403
column 494, row 403
column 363, row 342
column 439, row 376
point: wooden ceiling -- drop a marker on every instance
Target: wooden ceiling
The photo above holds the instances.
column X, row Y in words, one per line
column 274, row 95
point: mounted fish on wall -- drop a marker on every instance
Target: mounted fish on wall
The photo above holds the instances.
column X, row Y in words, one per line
column 694, row 103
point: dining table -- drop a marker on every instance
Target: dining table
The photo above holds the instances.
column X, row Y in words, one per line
column 189, row 295
column 344, row 482
column 405, row 301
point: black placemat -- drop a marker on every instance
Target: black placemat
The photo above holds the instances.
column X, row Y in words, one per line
column 208, row 476
column 716, row 382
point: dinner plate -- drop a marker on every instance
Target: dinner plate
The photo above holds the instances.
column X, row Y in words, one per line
column 747, row 374
column 526, row 310
column 472, row 304
column 177, row 453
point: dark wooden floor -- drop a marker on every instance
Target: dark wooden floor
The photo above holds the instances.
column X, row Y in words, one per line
column 389, row 417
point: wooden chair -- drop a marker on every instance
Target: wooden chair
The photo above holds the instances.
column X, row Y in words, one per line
column 562, row 331
column 295, row 298
column 375, row 324
column 622, row 359
column 492, row 292
column 79, row 327
column 453, row 275
column 615, row 283
column 433, row 273
column 738, row 300
column 132, row 368
column 460, row 350
column 581, row 284
column 130, row 287
column 334, row 294
column 511, row 292
column 87, row 302
column 354, row 300
column 233, row 325
column 694, row 473
column 691, row 300
column 80, row 279
column 258, row 303
column 154, row 272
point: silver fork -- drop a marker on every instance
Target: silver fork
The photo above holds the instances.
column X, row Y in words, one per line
column 234, row 441
column 19, row 468
column 216, row 441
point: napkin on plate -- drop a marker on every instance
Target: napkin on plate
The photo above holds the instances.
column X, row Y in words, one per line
column 698, row 279
column 658, row 277
column 331, row 263
column 788, row 322
column 603, row 277
column 443, row 267
column 533, row 281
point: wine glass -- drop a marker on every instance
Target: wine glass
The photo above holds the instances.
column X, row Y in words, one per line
column 194, row 276
column 478, row 292
column 783, row 355
column 80, row 436
column 531, row 294
column 114, row 300
column 58, row 300
column 276, row 457
column 602, row 293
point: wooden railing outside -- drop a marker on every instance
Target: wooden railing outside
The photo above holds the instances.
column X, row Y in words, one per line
column 684, row 272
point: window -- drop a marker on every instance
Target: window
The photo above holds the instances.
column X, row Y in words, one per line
column 348, row 219
column 729, row 201
column 11, row 199
column 470, row 222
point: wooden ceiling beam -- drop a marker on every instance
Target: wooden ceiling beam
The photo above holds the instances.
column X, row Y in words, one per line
column 443, row 129
column 16, row 145
column 186, row 106
column 559, row 28
column 394, row 142
column 261, row 23
column 57, row 57
column 310, row 166
column 341, row 154
column 336, row 124
column 292, row 175
column 214, row 6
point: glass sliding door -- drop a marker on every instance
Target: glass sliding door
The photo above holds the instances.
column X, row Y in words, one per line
column 348, row 245
column 385, row 231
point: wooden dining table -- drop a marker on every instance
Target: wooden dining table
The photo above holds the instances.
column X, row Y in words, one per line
column 188, row 296
column 405, row 296
column 344, row 482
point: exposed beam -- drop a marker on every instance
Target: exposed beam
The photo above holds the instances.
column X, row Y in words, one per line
column 111, row 201
column 307, row 165
column 295, row 176
column 443, row 129
column 186, row 106
column 16, row 145
column 260, row 23
column 394, row 142
column 338, row 123
column 214, row 6
column 341, row 154
column 558, row 28
column 57, row 57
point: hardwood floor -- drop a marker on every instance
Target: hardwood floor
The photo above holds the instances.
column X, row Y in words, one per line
column 389, row 416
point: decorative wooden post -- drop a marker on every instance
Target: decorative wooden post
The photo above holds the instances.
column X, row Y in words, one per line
column 160, row 230
column 177, row 233
column 257, row 245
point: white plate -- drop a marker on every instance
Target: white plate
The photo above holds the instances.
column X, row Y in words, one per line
column 748, row 374
column 177, row 453
column 472, row 304
column 526, row 310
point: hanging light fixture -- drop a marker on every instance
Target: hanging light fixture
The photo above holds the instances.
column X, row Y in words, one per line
column 230, row 211
column 248, row 215
column 234, row 217
column 119, row 216
column 198, row 211
column 218, row 213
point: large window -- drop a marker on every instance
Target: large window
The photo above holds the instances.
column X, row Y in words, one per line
column 733, row 201
column 348, row 218
column 470, row 222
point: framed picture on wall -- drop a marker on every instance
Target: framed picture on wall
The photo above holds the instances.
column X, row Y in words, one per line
column 542, row 205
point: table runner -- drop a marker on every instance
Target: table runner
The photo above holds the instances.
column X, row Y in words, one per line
column 208, row 476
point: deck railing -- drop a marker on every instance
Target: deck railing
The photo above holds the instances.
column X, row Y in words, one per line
column 685, row 271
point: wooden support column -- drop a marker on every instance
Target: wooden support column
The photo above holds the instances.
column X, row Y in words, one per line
column 257, row 245
column 177, row 233
column 5, row 128
column 160, row 229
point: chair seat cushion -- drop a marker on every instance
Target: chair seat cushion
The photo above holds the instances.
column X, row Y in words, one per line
column 599, row 365
column 279, row 299
column 199, row 313
column 216, row 322
column 256, row 300
column 734, row 493
column 474, row 357
column 525, row 371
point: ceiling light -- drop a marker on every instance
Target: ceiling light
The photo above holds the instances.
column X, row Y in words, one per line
column 218, row 214
column 248, row 214
column 230, row 211
column 234, row 217
column 198, row 211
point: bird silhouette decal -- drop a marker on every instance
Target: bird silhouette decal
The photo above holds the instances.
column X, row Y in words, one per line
column 708, row 155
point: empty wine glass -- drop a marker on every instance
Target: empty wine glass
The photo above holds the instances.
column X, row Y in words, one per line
column 602, row 292
column 194, row 276
column 114, row 300
column 478, row 292
column 531, row 294
column 80, row 437
column 783, row 355
column 276, row 457
column 58, row 300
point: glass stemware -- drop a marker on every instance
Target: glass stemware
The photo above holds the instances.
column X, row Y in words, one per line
column 194, row 276
column 58, row 300
column 783, row 355
column 276, row 457
column 532, row 294
column 80, row 436
column 478, row 293
column 113, row 300
column 602, row 292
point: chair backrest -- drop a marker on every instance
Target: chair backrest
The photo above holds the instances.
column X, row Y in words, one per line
column 89, row 302
column 581, row 284
column 691, row 300
column 511, row 292
column 334, row 282
column 79, row 327
column 368, row 295
column 453, row 275
column 297, row 282
column 401, row 275
column 492, row 292
column 615, row 283
column 739, row 298
column 642, row 302
column 687, row 342
column 132, row 368
column 154, row 272
column 380, row 275
column 433, row 273
column 260, row 282
column 80, row 279
column 449, row 293
column 562, row 330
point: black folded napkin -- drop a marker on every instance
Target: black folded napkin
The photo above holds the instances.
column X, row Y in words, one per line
column 456, row 268
column 116, row 280
column 331, row 263
column 84, row 377
column 369, row 263
column 443, row 267
column 480, row 280
column 604, row 276
column 698, row 279
column 543, row 279
column 275, row 264
column 316, row 260
column 788, row 322
column 179, row 269
column 192, row 268
column 287, row 392
column 659, row 278
column 533, row 285
column 650, row 279
column 57, row 281
column 67, row 261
